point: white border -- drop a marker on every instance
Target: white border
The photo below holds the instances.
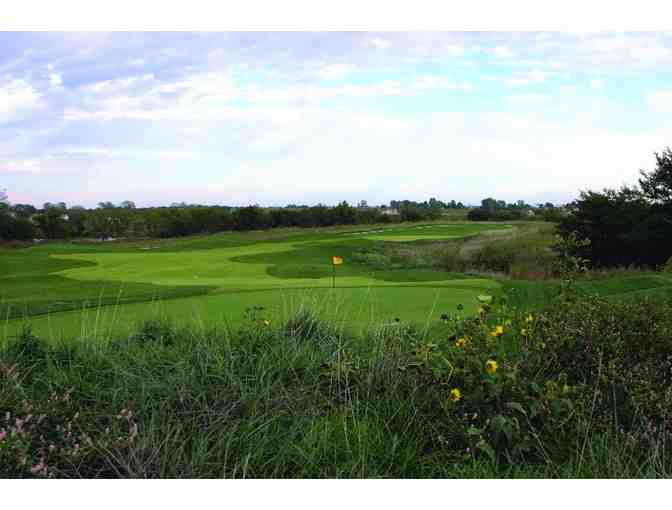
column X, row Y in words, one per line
column 317, row 15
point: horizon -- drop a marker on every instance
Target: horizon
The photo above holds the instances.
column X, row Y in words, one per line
column 309, row 117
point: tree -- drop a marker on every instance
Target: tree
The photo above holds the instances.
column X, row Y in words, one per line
column 127, row 204
column 620, row 227
column 52, row 221
column 252, row 217
column 23, row 210
column 77, row 220
column 489, row 204
column 657, row 184
column 479, row 214
column 4, row 203
column 411, row 213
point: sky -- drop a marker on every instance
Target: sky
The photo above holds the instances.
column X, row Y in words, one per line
column 237, row 118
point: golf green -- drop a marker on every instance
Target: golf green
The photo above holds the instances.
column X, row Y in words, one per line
column 228, row 275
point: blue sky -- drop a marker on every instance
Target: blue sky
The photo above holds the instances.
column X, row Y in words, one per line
column 272, row 118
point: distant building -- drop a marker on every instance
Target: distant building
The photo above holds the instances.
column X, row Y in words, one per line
column 390, row 211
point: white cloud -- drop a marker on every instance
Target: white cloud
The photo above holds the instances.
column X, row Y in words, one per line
column 16, row 98
column 90, row 151
column 623, row 49
column 210, row 95
column 502, row 52
column 596, row 83
column 276, row 120
column 27, row 166
column 377, row 42
column 523, row 148
column 529, row 78
column 123, row 152
column 652, row 53
column 454, row 50
column 334, row 71
column 55, row 80
column 118, row 84
column 528, row 98
column 660, row 101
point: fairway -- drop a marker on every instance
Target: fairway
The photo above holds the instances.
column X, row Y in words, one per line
column 102, row 290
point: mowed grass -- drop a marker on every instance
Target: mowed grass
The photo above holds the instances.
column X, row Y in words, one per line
column 279, row 270
column 32, row 283
column 355, row 310
column 525, row 294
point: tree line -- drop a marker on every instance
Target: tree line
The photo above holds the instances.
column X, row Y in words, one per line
column 109, row 220
column 499, row 210
column 626, row 226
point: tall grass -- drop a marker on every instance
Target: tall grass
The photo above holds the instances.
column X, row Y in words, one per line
column 304, row 398
column 523, row 252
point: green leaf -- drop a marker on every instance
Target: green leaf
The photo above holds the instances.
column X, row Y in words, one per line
column 473, row 431
column 499, row 423
column 487, row 449
column 534, row 408
column 516, row 406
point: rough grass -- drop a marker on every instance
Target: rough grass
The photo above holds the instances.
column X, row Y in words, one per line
column 290, row 400
column 520, row 251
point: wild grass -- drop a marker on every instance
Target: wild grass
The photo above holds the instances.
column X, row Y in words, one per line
column 520, row 252
column 304, row 398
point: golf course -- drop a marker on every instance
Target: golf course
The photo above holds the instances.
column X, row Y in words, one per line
column 103, row 290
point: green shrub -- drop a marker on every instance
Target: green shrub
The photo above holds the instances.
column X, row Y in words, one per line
column 373, row 259
column 306, row 325
column 576, row 387
column 527, row 256
column 26, row 348
column 667, row 268
column 155, row 331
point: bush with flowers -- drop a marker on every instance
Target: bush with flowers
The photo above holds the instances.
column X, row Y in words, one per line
column 49, row 438
column 498, row 398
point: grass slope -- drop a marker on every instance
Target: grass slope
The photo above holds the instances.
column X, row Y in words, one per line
column 238, row 270
column 30, row 284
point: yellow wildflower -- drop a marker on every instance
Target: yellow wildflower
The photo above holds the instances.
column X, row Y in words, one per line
column 461, row 342
column 498, row 331
column 523, row 332
column 491, row 366
column 267, row 322
column 455, row 394
column 529, row 318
